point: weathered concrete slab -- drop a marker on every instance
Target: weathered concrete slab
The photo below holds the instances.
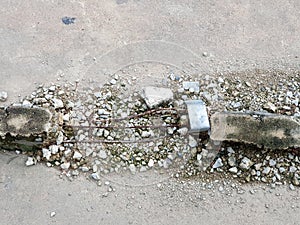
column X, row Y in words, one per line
column 21, row 121
column 19, row 127
column 263, row 129
column 155, row 96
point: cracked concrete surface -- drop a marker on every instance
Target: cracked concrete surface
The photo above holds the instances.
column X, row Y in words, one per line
column 36, row 47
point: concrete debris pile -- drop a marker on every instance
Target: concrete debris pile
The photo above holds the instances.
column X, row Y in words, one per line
column 118, row 127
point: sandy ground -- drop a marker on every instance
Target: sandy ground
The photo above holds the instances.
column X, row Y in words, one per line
column 36, row 47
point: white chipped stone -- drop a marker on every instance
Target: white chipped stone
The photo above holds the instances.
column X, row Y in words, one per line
column 77, row 155
column 46, row 153
column 102, row 154
column 192, row 142
column 145, row 134
column 192, row 86
column 233, row 170
column 26, row 103
column 151, row 163
column 66, row 117
column 266, row 170
column 246, row 163
column 155, row 96
column 183, row 131
column 65, row 165
column 218, row 163
column 60, row 138
column 95, row 176
column 88, row 151
column 3, row 96
column 132, row 168
column 30, row 161
column 57, row 103
column 54, row 149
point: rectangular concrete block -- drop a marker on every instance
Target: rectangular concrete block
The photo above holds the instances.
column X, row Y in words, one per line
column 197, row 116
column 20, row 126
column 263, row 129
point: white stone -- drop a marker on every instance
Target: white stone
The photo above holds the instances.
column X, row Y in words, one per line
column 66, row 117
column 272, row 162
column 143, row 169
column 151, row 163
column 57, row 103
column 60, row 138
column 95, row 176
column 266, row 170
column 26, row 103
column 65, row 165
column 145, row 134
column 183, row 131
column 246, row 163
column 54, row 149
column 154, row 96
column 192, row 86
column 3, row 96
column 233, row 170
column 132, row 168
column 113, row 82
column 30, row 161
column 88, row 151
column 192, row 142
column 46, row 153
column 102, row 154
column 218, row 163
column 77, row 155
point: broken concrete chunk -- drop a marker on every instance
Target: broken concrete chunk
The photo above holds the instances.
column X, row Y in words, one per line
column 23, row 121
column 197, row 116
column 263, row 129
column 20, row 127
column 3, row 96
column 191, row 86
column 155, row 96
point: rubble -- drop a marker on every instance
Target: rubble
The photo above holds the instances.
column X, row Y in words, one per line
column 110, row 129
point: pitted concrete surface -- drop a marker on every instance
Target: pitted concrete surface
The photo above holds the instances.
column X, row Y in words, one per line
column 263, row 129
column 24, row 122
column 223, row 36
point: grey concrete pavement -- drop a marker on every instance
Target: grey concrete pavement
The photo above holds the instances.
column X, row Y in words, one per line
column 37, row 48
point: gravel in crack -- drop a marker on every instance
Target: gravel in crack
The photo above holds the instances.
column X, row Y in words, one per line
column 109, row 129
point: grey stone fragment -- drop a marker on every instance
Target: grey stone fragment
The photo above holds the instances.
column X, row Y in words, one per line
column 155, row 96
column 263, row 129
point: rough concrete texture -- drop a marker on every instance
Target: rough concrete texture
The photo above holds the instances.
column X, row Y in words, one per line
column 23, row 122
column 36, row 47
column 262, row 129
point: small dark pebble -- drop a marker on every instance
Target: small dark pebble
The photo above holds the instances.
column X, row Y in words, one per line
column 68, row 20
